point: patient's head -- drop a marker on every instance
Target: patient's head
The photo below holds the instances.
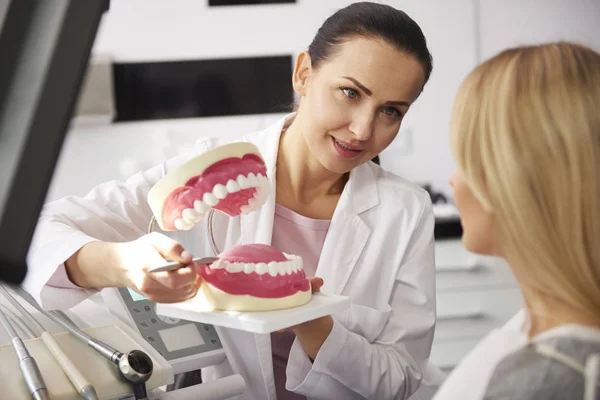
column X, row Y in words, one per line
column 526, row 138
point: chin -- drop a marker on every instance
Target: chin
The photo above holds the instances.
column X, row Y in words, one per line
column 478, row 245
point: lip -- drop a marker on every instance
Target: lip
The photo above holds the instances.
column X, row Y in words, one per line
column 348, row 145
column 344, row 152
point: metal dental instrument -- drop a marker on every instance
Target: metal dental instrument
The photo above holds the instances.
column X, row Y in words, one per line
column 29, row 369
column 78, row 379
column 175, row 265
column 134, row 366
column 16, row 320
column 201, row 260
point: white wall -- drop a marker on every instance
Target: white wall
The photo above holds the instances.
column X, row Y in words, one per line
column 507, row 23
column 189, row 29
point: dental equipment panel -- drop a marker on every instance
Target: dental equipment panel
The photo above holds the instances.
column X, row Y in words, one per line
column 187, row 345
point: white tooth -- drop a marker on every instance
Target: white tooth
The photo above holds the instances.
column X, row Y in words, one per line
column 273, row 268
column 200, row 206
column 234, row 267
column 253, row 204
column 210, row 199
column 252, row 179
column 190, row 215
column 220, row 191
column 243, row 182
column 248, row 268
column 179, row 224
column 262, row 193
column 216, row 265
column 288, row 268
column 246, row 209
column 262, row 268
column 232, row 186
column 261, row 177
column 281, row 269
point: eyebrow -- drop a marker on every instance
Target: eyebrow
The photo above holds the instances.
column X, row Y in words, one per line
column 368, row 92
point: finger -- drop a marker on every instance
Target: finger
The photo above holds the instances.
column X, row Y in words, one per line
column 172, row 296
column 169, row 248
column 177, row 279
column 315, row 284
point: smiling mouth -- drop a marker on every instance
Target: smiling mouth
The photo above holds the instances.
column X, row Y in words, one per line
column 345, row 150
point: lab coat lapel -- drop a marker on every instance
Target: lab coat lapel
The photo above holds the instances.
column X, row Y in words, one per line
column 348, row 233
column 257, row 227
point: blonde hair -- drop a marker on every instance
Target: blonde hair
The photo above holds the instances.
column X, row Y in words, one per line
column 525, row 133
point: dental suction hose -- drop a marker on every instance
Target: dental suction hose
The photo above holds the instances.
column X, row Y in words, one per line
column 135, row 366
column 29, row 369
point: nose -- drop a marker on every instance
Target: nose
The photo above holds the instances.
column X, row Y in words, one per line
column 362, row 126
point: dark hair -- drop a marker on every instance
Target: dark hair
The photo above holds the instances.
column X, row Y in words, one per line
column 371, row 20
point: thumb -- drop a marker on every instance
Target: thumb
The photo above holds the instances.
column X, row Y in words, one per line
column 315, row 284
column 169, row 248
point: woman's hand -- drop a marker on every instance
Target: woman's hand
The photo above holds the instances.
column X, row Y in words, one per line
column 312, row 334
column 102, row 264
column 153, row 250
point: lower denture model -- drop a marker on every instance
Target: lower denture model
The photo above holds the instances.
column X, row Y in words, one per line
column 253, row 277
column 231, row 179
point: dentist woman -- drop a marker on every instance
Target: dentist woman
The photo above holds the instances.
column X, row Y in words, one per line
column 365, row 231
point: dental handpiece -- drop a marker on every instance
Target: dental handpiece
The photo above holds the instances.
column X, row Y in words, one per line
column 29, row 368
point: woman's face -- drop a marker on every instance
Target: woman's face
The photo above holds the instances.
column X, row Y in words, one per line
column 479, row 227
column 352, row 106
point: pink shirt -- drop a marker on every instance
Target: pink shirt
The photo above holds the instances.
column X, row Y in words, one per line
column 302, row 236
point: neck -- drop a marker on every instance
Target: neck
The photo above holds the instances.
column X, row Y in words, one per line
column 548, row 312
column 298, row 172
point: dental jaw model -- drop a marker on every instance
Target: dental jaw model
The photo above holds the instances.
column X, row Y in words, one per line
column 254, row 277
column 231, row 179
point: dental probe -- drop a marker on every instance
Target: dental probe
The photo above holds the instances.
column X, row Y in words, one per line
column 134, row 366
column 78, row 379
column 29, row 369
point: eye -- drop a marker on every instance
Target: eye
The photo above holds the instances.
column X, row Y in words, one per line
column 350, row 93
column 392, row 112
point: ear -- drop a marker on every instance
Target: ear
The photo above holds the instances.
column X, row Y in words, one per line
column 302, row 71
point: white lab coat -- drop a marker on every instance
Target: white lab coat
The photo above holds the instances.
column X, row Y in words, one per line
column 378, row 251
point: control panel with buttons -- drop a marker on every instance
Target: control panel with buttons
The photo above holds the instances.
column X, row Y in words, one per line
column 173, row 338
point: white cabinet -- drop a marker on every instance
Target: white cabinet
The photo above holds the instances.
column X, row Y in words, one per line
column 474, row 295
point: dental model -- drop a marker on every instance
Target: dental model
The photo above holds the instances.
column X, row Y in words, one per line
column 231, row 179
column 253, row 277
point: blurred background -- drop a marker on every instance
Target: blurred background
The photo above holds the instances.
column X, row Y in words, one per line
column 166, row 73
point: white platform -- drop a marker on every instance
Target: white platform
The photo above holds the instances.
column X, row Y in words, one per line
column 259, row 322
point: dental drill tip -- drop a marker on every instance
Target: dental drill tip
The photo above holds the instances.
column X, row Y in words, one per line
column 88, row 393
column 41, row 394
